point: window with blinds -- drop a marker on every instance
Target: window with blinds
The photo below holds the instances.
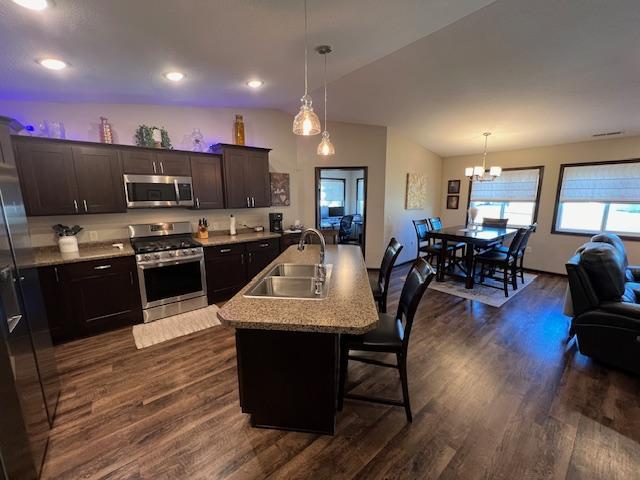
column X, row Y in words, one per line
column 602, row 197
column 513, row 195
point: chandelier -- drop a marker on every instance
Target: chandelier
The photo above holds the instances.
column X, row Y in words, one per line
column 479, row 173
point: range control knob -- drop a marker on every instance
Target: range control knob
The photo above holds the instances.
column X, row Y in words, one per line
column 146, row 257
column 156, row 256
column 172, row 254
column 193, row 251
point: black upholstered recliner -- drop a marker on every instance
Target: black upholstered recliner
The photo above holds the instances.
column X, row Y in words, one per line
column 605, row 296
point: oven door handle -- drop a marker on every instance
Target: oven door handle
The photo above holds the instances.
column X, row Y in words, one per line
column 164, row 263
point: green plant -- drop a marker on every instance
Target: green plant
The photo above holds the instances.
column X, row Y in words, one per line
column 144, row 137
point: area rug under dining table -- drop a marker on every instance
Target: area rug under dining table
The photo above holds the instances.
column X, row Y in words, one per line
column 482, row 293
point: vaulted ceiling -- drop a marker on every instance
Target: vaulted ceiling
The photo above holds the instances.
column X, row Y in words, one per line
column 532, row 72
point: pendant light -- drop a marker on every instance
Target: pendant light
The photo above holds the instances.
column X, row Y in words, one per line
column 325, row 147
column 479, row 172
column 306, row 122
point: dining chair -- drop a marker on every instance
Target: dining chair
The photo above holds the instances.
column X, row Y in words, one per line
column 495, row 222
column 390, row 336
column 521, row 250
column 380, row 285
column 436, row 224
column 506, row 261
column 428, row 245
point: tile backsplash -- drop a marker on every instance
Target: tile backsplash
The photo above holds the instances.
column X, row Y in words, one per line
column 108, row 227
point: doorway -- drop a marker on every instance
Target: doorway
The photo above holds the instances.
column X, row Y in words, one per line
column 341, row 204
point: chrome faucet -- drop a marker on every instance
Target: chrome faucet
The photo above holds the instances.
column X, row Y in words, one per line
column 322, row 269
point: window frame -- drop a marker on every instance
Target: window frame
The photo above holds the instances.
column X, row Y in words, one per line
column 344, row 188
column 536, row 207
column 603, row 222
column 358, row 199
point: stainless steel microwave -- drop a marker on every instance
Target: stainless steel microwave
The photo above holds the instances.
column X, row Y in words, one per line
column 148, row 191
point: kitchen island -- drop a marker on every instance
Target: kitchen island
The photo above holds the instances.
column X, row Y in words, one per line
column 287, row 348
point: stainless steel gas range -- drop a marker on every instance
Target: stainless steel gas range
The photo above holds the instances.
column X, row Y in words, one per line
column 170, row 269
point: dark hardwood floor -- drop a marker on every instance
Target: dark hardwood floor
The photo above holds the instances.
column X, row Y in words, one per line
column 496, row 394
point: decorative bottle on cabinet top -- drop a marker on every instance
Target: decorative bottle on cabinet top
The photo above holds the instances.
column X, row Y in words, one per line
column 238, row 130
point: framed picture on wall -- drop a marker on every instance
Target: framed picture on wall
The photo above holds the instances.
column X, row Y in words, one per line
column 453, row 186
column 453, row 202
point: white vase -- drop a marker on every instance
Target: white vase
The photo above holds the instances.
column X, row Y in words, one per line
column 68, row 244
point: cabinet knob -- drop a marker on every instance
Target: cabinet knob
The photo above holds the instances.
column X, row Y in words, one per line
column 102, row 267
column 225, row 250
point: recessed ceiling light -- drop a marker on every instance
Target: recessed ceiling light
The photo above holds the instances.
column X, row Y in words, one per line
column 53, row 63
column 174, row 76
column 32, row 4
column 255, row 83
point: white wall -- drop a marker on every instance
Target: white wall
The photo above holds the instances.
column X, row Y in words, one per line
column 356, row 146
column 406, row 156
column 548, row 251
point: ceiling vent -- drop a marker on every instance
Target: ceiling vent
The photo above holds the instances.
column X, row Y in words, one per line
column 607, row 134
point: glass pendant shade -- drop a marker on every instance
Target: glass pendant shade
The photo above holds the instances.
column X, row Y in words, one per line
column 478, row 171
column 306, row 122
column 325, row 147
column 495, row 171
column 468, row 172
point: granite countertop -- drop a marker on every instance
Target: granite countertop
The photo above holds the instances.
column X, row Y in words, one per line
column 348, row 308
column 49, row 256
column 218, row 239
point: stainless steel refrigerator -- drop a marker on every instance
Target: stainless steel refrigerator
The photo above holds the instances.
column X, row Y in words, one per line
column 29, row 385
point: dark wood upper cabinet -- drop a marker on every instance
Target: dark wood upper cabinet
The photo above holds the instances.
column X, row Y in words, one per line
column 62, row 177
column 207, row 181
column 99, row 175
column 246, row 175
column 257, row 179
column 173, row 163
column 235, row 166
column 47, row 177
column 139, row 162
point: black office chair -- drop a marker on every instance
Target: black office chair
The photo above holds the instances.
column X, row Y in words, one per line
column 391, row 336
column 429, row 246
column 380, row 285
column 506, row 261
column 344, row 234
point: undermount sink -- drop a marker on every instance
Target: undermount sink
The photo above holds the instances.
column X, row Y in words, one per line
column 294, row 270
column 291, row 280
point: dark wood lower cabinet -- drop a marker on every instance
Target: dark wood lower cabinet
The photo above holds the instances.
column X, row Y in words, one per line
column 288, row 239
column 91, row 297
column 226, row 270
column 288, row 380
column 260, row 254
column 230, row 267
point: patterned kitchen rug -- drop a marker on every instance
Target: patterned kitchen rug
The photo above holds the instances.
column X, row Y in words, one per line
column 147, row 334
column 482, row 293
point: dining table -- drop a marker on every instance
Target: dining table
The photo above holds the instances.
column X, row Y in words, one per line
column 475, row 237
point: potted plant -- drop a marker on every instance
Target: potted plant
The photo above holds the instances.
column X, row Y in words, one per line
column 67, row 240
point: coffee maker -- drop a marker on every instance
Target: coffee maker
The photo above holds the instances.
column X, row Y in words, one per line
column 275, row 222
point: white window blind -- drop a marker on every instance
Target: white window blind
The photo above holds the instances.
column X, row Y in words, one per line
column 511, row 186
column 615, row 183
